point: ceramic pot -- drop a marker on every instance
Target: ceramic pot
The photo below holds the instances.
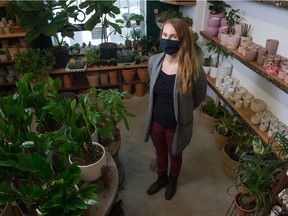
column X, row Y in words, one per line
column 271, row 46
column 213, row 72
column 244, row 41
column 223, row 38
column 257, row 105
column 219, row 15
column 233, row 41
column 260, row 59
column 93, row 171
column 206, row 69
column 213, row 22
column 251, row 54
column 223, row 22
column 238, row 28
column 212, row 31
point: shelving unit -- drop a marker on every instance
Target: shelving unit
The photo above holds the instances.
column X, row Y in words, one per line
column 245, row 113
column 259, row 69
column 81, row 81
column 175, row 2
column 12, row 35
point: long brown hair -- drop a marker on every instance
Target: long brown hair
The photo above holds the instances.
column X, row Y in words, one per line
column 188, row 66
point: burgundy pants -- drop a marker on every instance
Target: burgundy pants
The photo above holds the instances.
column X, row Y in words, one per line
column 162, row 139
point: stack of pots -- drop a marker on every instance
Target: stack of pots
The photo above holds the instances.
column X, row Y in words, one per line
column 213, row 24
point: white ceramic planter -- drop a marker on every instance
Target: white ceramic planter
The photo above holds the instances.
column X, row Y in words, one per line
column 206, row 69
column 213, row 71
column 93, row 172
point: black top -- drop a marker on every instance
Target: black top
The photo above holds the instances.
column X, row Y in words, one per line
column 163, row 109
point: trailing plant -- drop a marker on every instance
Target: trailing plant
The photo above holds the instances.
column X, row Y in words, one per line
column 195, row 38
column 219, row 51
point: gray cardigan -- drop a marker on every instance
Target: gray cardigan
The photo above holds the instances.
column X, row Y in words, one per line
column 184, row 104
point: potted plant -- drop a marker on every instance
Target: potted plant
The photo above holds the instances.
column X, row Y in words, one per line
column 220, row 52
column 47, row 18
column 101, row 10
column 217, row 7
column 135, row 35
column 189, row 21
column 36, row 62
column 246, row 30
column 165, row 15
column 223, row 130
column 207, row 63
column 211, row 112
column 93, row 56
column 3, row 56
column 35, row 169
column 257, row 174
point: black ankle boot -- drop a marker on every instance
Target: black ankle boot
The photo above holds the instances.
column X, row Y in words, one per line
column 157, row 185
column 171, row 187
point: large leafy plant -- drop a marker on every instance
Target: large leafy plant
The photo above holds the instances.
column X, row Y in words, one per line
column 45, row 17
column 100, row 12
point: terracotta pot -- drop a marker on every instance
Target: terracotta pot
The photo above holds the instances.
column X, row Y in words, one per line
column 93, row 78
column 139, row 89
column 241, row 211
column 142, row 74
column 104, row 78
column 128, row 75
column 67, row 80
column 3, row 58
column 127, row 88
column 113, row 77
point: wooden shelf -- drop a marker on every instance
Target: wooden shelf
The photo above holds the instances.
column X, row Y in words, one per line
column 244, row 113
column 259, row 69
column 12, row 35
column 174, row 2
column 99, row 68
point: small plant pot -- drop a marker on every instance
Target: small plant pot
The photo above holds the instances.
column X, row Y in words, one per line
column 127, row 88
column 3, row 58
column 139, row 89
column 128, row 75
column 142, row 74
column 104, row 78
column 67, row 80
column 93, row 78
column 113, row 77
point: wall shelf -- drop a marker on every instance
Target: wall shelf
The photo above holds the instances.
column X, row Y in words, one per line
column 175, row 2
column 12, row 35
column 244, row 113
column 259, row 69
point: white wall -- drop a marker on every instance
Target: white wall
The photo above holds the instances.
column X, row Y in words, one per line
column 269, row 22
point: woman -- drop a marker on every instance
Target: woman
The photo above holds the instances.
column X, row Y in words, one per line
column 177, row 86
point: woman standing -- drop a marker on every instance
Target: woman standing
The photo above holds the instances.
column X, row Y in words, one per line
column 177, row 86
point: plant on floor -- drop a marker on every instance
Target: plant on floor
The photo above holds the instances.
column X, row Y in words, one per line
column 214, row 110
column 110, row 107
column 34, row 165
column 257, row 173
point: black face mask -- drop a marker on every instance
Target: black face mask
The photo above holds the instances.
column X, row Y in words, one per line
column 169, row 46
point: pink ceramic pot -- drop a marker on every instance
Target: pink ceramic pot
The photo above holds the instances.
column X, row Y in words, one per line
column 212, row 31
column 251, row 54
column 213, row 22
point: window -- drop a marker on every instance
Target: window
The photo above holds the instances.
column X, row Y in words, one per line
column 94, row 36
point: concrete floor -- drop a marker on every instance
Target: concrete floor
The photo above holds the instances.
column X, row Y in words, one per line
column 202, row 184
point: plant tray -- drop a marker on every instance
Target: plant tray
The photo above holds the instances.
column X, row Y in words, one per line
column 126, row 63
column 69, row 70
